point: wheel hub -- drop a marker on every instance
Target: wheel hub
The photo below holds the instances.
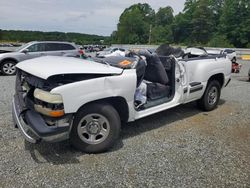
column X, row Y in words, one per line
column 212, row 96
column 93, row 127
column 9, row 68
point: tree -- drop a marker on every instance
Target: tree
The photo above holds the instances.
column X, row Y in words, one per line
column 202, row 23
column 182, row 26
column 164, row 16
column 235, row 22
column 162, row 32
column 134, row 24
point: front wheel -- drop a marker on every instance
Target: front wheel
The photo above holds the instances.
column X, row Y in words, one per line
column 211, row 96
column 8, row 67
column 95, row 128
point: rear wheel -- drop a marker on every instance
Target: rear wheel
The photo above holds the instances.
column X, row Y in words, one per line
column 234, row 60
column 211, row 96
column 95, row 128
column 8, row 67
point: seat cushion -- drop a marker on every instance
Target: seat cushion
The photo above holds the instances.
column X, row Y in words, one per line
column 155, row 71
column 157, row 91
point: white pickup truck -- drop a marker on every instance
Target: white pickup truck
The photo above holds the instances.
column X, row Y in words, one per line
column 60, row 98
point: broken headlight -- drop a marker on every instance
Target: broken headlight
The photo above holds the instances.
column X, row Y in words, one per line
column 48, row 104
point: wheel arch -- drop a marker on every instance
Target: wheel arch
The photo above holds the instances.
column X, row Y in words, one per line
column 119, row 103
column 219, row 77
column 8, row 58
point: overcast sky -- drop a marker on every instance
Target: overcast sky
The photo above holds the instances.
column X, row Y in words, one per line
column 93, row 17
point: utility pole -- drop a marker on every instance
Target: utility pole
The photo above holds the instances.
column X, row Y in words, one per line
column 150, row 31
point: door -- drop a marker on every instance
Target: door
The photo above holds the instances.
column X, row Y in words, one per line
column 33, row 51
column 181, row 80
column 60, row 49
column 53, row 49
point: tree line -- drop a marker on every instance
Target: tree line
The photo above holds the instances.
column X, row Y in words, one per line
column 217, row 23
column 27, row 36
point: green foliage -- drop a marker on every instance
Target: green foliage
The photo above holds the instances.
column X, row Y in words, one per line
column 219, row 23
column 134, row 24
column 164, row 16
column 27, row 36
column 162, row 34
column 201, row 23
column 219, row 41
column 235, row 22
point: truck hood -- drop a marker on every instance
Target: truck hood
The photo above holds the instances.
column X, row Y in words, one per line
column 44, row 67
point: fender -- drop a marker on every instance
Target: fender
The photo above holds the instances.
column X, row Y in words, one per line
column 79, row 93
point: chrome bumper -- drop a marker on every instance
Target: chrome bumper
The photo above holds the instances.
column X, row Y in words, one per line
column 33, row 136
column 20, row 124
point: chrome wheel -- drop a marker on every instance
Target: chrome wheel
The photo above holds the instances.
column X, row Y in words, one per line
column 9, row 68
column 212, row 95
column 93, row 128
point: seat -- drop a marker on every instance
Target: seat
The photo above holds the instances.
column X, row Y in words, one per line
column 155, row 71
column 158, row 79
column 157, row 91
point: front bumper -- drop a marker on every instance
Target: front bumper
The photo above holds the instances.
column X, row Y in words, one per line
column 33, row 127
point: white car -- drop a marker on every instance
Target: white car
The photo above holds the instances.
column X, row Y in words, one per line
column 108, row 51
column 231, row 54
column 85, row 101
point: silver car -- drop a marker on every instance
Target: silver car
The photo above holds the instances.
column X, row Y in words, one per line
column 35, row 49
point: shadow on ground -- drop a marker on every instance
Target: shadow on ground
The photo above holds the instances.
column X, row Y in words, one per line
column 64, row 153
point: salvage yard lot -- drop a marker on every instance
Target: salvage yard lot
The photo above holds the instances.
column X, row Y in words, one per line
column 179, row 147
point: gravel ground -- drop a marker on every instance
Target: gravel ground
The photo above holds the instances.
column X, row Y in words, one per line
column 180, row 147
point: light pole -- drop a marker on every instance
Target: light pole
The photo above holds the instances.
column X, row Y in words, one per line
column 150, row 31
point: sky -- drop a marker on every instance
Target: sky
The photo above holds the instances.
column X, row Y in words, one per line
column 82, row 16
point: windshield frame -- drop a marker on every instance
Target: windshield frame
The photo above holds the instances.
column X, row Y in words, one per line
column 21, row 48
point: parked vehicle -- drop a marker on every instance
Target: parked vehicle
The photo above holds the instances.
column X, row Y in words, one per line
column 35, row 49
column 4, row 51
column 108, row 51
column 230, row 53
column 86, row 101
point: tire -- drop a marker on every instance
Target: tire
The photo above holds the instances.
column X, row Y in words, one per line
column 8, row 67
column 95, row 128
column 234, row 60
column 211, row 96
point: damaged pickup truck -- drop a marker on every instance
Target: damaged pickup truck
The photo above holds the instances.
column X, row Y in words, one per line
column 60, row 98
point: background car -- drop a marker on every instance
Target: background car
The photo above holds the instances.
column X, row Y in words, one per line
column 108, row 51
column 35, row 49
column 231, row 54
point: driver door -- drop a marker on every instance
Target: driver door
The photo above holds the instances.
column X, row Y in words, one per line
column 33, row 51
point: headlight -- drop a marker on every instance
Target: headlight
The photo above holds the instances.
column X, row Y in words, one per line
column 48, row 97
column 48, row 104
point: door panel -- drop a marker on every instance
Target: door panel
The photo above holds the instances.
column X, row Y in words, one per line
column 33, row 51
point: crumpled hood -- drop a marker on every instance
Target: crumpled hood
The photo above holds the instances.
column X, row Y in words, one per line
column 44, row 67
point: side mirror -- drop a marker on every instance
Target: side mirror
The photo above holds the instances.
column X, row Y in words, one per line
column 25, row 51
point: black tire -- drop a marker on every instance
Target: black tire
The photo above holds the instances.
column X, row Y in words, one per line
column 234, row 60
column 101, row 122
column 8, row 67
column 211, row 96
